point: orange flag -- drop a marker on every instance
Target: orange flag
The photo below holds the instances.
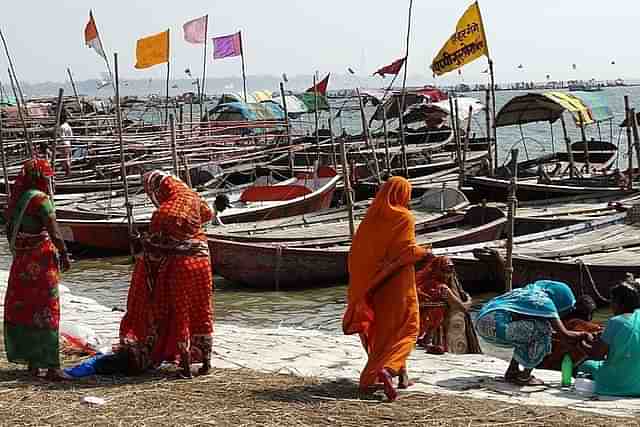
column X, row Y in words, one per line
column 152, row 50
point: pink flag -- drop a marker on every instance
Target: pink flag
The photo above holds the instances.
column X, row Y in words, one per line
column 195, row 31
column 227, row 46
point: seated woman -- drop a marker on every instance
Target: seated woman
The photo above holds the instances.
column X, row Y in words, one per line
column 579, row 320
column 441, row 307
column 525, row 319
column 614, row 356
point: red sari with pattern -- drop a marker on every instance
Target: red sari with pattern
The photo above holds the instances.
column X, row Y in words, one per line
column 31, row 307
column 432, row 296
column 169, row 306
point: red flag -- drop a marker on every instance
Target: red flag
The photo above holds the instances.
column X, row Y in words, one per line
column 321, row 86
column 393, row 68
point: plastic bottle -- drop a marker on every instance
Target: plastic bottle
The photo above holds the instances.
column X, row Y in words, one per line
column 567, row 370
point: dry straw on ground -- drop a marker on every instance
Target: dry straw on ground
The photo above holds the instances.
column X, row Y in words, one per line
column 244, row 397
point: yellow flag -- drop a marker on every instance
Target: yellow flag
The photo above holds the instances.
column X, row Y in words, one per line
column 152, row 50
column 467, row 43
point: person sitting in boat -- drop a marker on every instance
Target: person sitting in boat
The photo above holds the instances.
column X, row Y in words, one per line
column 169, row 306
column 613, row 357
column 443, row 304
column 579, row 320
column 525, row 319
column 220, row 204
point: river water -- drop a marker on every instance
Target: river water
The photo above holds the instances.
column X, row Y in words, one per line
column 107, row 279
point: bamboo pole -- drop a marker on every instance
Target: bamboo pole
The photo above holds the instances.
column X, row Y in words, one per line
column 454, row 129
column 3, row 159
column 367, row 140
column 627, row 113
column 316, row 116
column 334, row 161
column 585, row 148
column 493, row 112
column 636, row 136
column 403, row 142
column 19, row 106
column 75, row 91
column 244, row 74
column 166, row 106
column 347, row 187
column 204, row 66
column 387, row 156
column 174, row 150
column 57, row 134
column 12, row 69
column 567, row 141
column 511, row 214
column 123, row 168
column 460, row 154
column 488, row 132
column 287, row 125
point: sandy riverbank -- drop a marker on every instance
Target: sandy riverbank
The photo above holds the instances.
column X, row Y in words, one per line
column 323, row 359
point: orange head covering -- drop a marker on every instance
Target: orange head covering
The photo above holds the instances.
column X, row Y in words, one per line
column 386, row 232
column 433, row 274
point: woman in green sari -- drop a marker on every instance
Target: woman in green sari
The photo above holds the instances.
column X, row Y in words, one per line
column 613, row 357
column 32, row 308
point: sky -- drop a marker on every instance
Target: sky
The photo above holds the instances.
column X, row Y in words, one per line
column 301, row 37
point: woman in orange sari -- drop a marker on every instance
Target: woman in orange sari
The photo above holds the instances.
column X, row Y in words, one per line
column 382, row 302
column 169, row 306
column 32, row 306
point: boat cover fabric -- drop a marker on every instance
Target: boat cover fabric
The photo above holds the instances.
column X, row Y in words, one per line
column 586, row 109
column 272, row 193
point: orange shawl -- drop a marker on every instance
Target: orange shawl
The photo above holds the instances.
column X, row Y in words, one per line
column 384, row 250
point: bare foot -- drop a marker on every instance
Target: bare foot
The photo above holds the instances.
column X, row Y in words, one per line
column 404, row 382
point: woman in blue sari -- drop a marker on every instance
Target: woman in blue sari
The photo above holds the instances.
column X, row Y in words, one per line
column 614, row 356
column 525, row 319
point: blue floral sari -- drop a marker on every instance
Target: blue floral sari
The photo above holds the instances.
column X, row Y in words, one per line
column 539, row 302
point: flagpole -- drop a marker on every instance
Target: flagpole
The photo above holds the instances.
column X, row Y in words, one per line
column 204, row 67
column 244, row 76
column 403, row 93
column 104, row 56
column 166, row 107
column 123, row 167
column 492, row 164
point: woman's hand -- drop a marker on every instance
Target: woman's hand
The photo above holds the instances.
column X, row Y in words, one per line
column 65, row 262
column 577, row 337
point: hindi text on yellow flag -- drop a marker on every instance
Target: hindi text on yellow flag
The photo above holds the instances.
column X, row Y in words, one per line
column 152, row 50
column 467, row 43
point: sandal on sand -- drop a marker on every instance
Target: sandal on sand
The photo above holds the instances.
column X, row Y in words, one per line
column 389, row 390
column 434, row 349
column 524, row 381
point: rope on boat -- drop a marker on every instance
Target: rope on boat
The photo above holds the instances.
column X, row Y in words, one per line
column 584, row 268
column 278, row 266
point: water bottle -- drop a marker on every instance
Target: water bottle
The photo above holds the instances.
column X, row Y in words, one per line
column 567, row 370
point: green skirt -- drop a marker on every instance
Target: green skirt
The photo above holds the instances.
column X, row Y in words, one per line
column 36, row 347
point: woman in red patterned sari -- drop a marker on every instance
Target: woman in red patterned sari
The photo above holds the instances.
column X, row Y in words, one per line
column 32, row 308
column 169, row 307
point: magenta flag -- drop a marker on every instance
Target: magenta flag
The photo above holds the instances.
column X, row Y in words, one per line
column 195, row 31
column 227, row 46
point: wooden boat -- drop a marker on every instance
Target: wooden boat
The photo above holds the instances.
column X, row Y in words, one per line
column 434, row 210
column 291, row 197
column 530, row 189
column 594, row 257
column 297, row 265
